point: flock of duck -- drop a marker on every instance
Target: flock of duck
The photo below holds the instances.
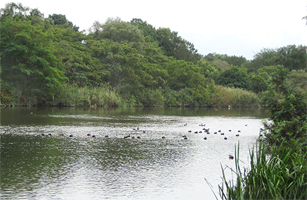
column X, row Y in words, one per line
column 205, row 130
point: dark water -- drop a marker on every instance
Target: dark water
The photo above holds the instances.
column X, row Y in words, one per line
column 57, row 166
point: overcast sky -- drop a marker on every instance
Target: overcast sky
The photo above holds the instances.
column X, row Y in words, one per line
column 233, row 27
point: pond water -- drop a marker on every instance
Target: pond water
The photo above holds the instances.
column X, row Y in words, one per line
column 109, row 166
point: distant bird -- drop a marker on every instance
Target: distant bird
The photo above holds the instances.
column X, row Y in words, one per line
column 225, row 138
column 138, row 137
column 163, row 137
column 185, row 124
column 219, row 131
column 205, row 138
column 237, row 135
column 185, row 137
column 222, row 133
column 143, row 131
column 132, row 137
column 50, row 134
column 200, row 131
column 245, row 124
column 195, row 132
column 43, row 134
column 70, row 135
column 127, row 136
column 215, row 132
column 93, row 136
column 189, row 131
column 239, row 131
column 88, row 134
column 106, row 136
column 229, row 130
column 231, row 157
column 61, row 134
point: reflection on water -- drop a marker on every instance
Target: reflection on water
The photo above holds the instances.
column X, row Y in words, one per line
column 57, row 166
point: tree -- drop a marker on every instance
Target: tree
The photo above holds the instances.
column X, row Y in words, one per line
column 148, row 30
column 14, row 10
column 28, row 59
column 234, row 77
column 174, row 45
column 59, row 19
column 119, row 31
column 288, row 111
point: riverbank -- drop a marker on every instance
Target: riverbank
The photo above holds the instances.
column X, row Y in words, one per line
column 73, row 96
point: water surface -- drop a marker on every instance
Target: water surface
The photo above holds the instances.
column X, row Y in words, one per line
column 57, row 166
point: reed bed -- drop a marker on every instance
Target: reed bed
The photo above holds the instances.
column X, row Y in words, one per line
column 281, row 174
column 86, row 96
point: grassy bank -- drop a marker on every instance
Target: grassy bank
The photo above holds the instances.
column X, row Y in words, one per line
column 74, row 96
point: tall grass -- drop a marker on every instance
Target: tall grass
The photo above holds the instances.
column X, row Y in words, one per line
column 70, row 95
column 282, row 175
column 235, row 97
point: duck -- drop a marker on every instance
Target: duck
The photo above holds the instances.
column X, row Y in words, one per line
column 127, row 136
column 231, row 157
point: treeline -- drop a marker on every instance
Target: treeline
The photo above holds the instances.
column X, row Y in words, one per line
column 48, row 61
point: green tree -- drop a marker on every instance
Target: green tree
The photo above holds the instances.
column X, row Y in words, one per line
column 119, row 31
column 174, row 45
column 148, row 30
column 28, row 59
column 59, row 19
column 288, row 111
column 234, row 77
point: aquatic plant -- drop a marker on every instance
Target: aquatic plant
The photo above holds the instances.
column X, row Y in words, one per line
column 281, row 174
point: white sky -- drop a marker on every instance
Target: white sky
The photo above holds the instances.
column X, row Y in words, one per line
column 233, row 27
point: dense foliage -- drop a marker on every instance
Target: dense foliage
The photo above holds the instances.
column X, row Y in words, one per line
column 133, row 62
column 279, row 167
